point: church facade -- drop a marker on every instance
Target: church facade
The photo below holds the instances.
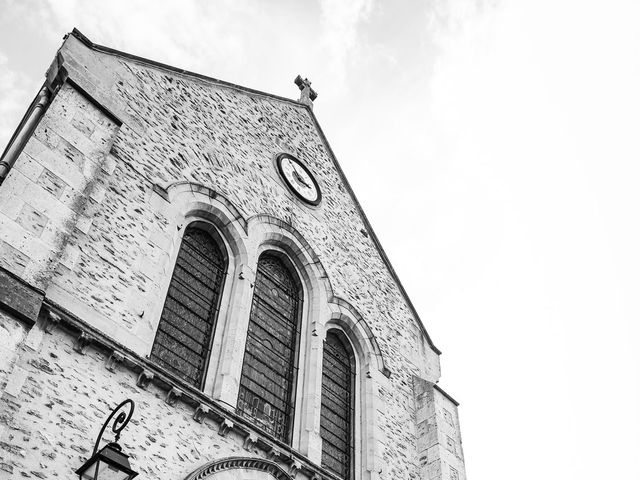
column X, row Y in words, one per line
column 193, row 245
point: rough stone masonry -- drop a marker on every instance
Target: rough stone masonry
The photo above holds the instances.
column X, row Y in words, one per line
column 127, row 153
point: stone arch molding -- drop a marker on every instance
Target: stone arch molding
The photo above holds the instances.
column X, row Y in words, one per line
column 193, row 201
column 246, row 238
column 276, row 232
column 196, row 201
column 191, row 191
column 229, row 468
column 341, row 313
column 347, row 318
column 189, row 202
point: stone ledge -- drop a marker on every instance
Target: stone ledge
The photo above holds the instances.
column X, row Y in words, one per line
column 19, row 297
column 446, row 395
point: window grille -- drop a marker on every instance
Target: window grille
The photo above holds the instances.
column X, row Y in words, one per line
column 336, row 413
column 190, row 311
column 269, row 369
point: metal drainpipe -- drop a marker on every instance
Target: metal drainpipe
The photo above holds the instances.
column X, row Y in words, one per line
column 21, row 138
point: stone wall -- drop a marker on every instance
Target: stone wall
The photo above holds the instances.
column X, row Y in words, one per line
column 83, row 216
column 59, row 398
column 439, row 443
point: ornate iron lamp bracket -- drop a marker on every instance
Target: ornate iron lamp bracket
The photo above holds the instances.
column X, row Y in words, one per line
column 119, row 423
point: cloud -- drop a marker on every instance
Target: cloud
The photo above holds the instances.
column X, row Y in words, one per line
column 240, row 41
column 191, row 34
column 340, row 37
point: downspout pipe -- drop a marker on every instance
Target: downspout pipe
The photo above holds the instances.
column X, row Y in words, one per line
column 24, row 132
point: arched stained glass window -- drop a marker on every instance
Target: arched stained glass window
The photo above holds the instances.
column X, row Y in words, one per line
column 336, row 413
column 190, row 311
column 270, row 359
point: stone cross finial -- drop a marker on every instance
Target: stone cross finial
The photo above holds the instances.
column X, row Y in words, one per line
column 307, row 94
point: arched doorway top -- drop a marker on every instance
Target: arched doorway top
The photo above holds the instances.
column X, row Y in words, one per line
column 217, row 469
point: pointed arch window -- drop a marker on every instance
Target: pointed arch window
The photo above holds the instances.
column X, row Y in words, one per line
column 337, row 407
column 269, row 369
column 188, row 319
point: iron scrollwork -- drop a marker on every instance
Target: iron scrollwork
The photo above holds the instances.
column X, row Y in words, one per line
column 119, row 423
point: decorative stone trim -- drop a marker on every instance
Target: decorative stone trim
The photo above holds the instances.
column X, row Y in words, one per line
column 144, row 378
column 284, row 235
column 51, row 320
column 173, row 396
column 250, row 441
column 225, row 427
column 82, row 342
column 344, row 312
column 113, row 360
column 201, row 412
column 239, row 463
column 274, row 453
column 193, row 189
column 294, row 468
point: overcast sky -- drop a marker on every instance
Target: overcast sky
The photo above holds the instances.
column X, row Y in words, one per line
column 494, row 146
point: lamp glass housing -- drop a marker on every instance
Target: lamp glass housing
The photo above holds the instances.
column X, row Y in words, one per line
column 109, row 463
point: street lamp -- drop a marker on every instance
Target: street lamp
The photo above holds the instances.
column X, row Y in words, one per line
column 110, row 463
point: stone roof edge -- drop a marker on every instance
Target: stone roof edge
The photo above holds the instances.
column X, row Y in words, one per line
column 100, row 48
column 446, row 395
column 111, row 51
column 372, row 233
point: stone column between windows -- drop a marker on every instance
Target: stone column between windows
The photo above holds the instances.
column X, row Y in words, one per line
column 236, row 324
column 310, row 441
